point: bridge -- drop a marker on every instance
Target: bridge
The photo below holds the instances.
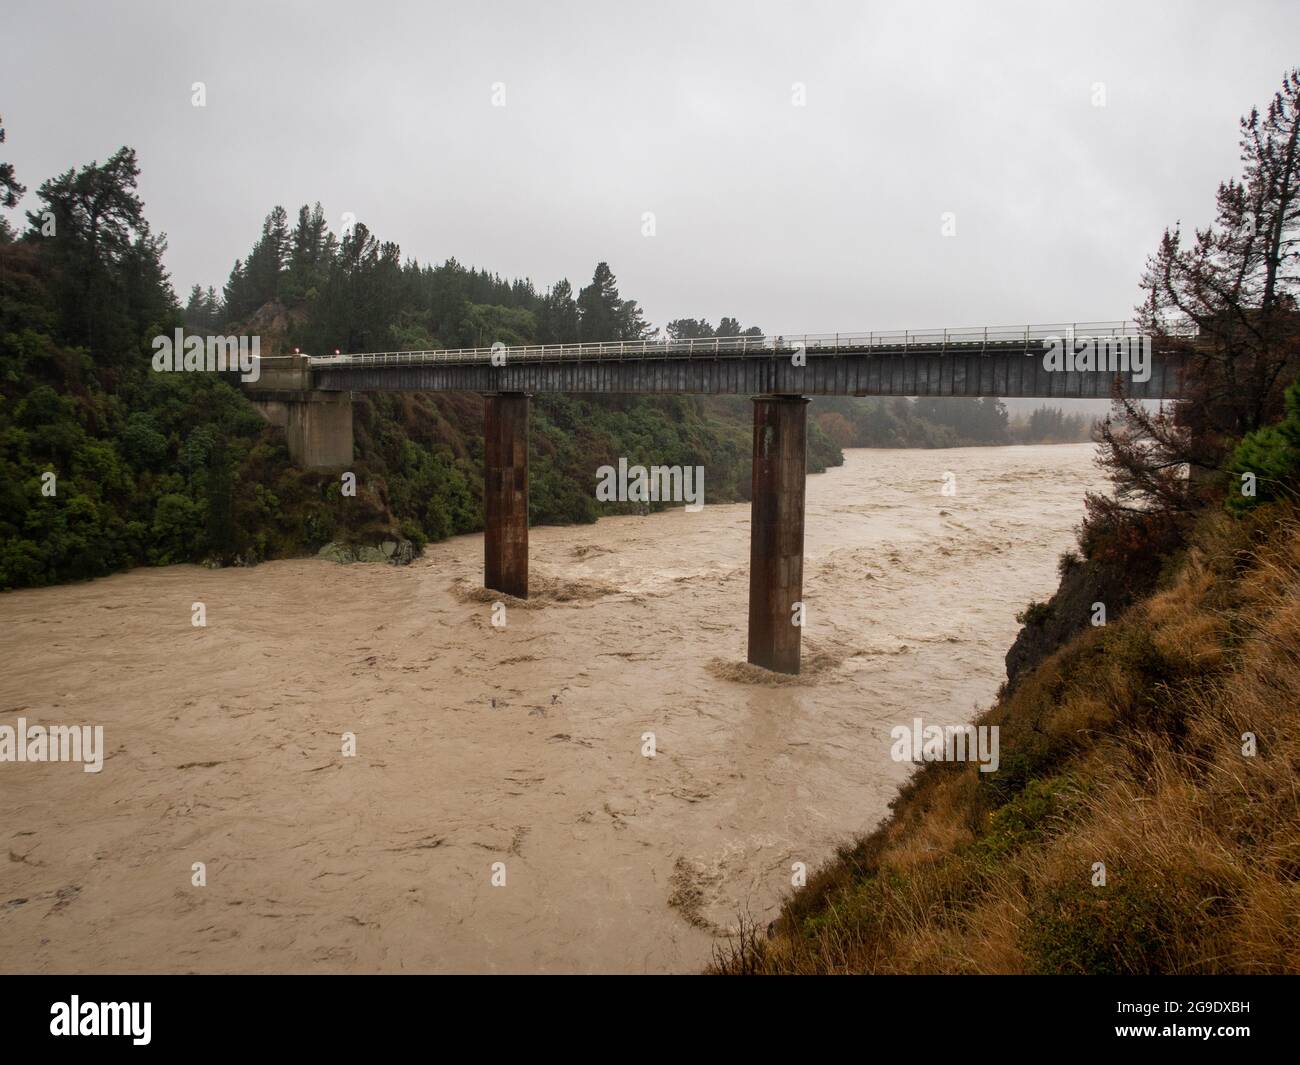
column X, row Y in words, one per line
column 310, row 397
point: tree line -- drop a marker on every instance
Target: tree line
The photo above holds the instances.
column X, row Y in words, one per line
column 942, row 422
column 360, row 295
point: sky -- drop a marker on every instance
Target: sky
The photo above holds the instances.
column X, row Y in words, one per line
column 800, row 161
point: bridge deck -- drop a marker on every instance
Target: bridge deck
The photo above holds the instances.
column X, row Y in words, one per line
column 984, row 361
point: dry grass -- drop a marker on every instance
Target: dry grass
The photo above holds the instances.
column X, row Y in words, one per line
column 1124, row 748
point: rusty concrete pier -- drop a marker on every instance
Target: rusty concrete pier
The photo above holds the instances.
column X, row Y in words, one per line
column 776, row 532
column 505, row 493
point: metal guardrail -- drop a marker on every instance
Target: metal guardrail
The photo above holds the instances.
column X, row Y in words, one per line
column 968, row 341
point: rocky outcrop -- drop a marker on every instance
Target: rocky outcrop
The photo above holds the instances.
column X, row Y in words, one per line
column 1049, row 626
column 395, row 552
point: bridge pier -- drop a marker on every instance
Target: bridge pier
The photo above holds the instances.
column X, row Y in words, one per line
column 319, row 431
column 505, row 493
column 776, row 531
column 317, row 425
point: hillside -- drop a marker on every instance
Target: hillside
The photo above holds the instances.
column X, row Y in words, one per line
column 1165, row 745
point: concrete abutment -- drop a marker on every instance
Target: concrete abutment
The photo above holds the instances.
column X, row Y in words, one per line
column 317, row 424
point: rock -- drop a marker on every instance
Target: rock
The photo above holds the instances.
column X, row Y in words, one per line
column 395, row 552
column 1047, row 627
column 337, row 552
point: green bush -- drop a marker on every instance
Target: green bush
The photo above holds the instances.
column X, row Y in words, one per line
column 1133, row 925
column 1030, row 816
column 1272, row 455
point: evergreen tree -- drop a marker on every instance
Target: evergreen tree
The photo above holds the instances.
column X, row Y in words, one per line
column 10, row 190
column 266, row 263
column 449, row 304
column 694, row 328
column 598, row 306
column 1237, row 282
column 194, row 308
column 112, row 282
column 557, row 319
column 311, row 247
column 213, row 311
column 203, row 313
column 604, row 315
column 238, row 300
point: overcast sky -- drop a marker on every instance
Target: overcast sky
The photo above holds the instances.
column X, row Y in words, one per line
column 822, row 217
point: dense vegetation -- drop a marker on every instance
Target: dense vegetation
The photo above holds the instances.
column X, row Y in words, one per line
column 1144, row 817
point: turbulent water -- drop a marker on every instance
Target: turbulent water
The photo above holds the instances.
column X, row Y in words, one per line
column 520, row 745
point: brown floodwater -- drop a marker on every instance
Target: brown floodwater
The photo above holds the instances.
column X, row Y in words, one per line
column 520, row 745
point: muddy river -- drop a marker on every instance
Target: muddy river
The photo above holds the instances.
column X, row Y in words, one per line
column 500, row 812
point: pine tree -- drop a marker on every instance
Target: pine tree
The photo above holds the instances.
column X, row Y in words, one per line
column 266, row 263
column 212, row 309
column 604, row 315
column 1237, row 283
column 598, row 306
column 310, row 249
column 558, row 317
column 693, row 329
column 10, row 190
column 238, row 300
column 104, row 254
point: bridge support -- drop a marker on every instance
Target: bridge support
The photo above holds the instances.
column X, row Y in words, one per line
column 776, row 531
column 319, row 431
column 317, row 425
column 505, row 493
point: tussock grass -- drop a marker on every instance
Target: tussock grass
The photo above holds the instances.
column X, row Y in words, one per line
column 1123, row 748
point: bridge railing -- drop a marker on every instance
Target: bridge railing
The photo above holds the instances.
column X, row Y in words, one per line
column 969, row 340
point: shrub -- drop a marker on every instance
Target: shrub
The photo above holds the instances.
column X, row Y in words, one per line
column 1271, row 455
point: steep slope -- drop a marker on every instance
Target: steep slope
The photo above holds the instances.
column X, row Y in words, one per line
column 1164, row 746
